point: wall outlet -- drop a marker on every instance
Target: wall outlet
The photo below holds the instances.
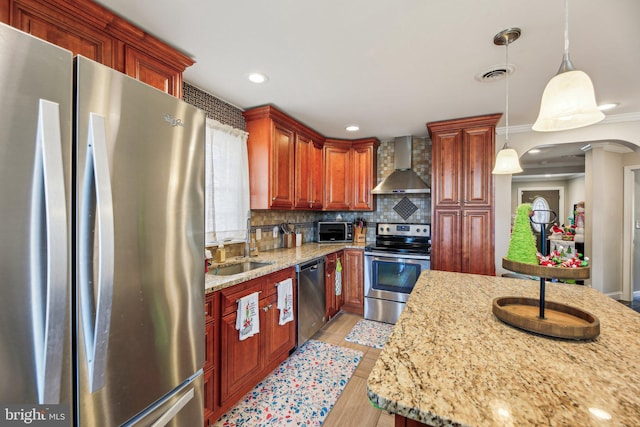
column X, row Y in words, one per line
column 258, row 234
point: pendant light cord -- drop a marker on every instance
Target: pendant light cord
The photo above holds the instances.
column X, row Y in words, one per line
column 506, row 131
column 566, row 27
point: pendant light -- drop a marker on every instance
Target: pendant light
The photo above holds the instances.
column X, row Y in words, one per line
column 507, row 161
column 568, row 100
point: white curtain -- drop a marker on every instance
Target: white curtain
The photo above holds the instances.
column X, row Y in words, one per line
column 227, row 183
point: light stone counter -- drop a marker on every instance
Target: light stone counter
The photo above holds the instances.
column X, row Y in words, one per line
column 277, row 259
column 451, row 362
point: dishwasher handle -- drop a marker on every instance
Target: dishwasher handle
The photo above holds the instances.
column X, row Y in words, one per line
column 310, row 265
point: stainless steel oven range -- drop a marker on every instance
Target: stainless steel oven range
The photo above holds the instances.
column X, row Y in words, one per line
column 392, row 267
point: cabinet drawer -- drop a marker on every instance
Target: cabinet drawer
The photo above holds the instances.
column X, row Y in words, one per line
column 272, row 280
column 208, row 309
column 229, row 297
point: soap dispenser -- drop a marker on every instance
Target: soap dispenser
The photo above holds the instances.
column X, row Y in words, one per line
column 221, row 254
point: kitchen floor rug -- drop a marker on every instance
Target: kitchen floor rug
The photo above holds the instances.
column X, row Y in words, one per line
column 370, row 333
column 299, row 392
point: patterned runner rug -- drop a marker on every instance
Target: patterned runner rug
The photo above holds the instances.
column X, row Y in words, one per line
column 299, row 392
column 370, row 333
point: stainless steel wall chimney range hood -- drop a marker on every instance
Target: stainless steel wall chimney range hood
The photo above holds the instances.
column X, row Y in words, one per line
column 403, row 179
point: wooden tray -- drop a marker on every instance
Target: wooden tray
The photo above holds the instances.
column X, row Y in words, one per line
column 561, row 321
column 547, row 272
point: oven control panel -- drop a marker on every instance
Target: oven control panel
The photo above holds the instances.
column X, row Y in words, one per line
column 409, row 230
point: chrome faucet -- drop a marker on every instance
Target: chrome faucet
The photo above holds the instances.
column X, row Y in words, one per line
column 247, row 253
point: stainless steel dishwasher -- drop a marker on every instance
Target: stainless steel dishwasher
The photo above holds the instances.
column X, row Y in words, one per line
column 311, row 299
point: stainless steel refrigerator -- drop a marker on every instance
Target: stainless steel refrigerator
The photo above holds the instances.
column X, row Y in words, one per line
column 102, row 242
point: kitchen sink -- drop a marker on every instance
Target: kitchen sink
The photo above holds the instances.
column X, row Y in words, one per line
column 242, row 267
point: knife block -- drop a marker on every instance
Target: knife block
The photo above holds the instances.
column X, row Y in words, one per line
column 359, row 235
column 288, row 240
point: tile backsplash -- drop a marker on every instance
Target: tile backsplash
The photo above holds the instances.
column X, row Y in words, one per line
column 304, row 221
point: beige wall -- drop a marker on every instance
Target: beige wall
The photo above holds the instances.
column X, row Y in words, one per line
column 604, row 178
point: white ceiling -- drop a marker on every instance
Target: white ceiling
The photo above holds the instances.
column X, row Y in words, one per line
column 393, row 66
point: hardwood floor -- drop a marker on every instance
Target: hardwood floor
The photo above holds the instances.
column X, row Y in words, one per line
column 353, row 407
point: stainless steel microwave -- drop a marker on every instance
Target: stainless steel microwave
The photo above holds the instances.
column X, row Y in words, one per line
column 334, row 232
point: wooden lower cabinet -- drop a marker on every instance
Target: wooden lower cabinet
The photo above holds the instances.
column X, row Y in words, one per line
column 211, row 344
column 333, row 302
column 353, row 281
column 400, row 421
column 242, row 364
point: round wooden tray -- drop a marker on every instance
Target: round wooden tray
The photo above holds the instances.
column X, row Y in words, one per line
column 547, row 272
column 560, row 320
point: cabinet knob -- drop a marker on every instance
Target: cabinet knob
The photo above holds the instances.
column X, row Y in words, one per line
column 273, row 199
column 267, row 307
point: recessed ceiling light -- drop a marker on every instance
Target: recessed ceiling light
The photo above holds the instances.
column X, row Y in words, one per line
column 353, row 128
column 534, row 151
column 605, row 107
column 257, row 78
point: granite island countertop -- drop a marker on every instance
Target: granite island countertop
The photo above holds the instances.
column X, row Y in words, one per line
column 277, row 260
column 451, row 362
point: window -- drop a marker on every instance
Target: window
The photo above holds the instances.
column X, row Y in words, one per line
column 226, row 183
column 543, row 216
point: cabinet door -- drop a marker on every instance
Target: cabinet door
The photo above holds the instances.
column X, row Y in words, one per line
column 477, row 242
column 282, row 167
column 330, row 289
column 353, row 280
column 447, row 169
column 445, row 240
column 48, row 23
column 363, row 178
column 478, row 160
column 149, row 70
column 209, row 396
column 279, row 339
column 241, row 361
column 317, row 176
column 337, row 173
column 303, row 173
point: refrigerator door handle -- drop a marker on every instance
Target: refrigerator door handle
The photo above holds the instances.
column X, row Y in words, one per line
column 49, row 211
column 95, row 301
column 174, row 409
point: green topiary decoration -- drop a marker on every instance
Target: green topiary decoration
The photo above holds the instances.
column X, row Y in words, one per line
column 522, row 247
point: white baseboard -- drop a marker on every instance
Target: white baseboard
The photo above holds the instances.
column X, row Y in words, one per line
column 615, row 295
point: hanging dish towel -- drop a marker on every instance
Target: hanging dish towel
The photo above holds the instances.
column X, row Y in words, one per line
column 247, row 320
column 285, row 301
column 338, row 277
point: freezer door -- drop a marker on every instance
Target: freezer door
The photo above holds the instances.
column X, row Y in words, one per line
column 35, row 189
column 140, row 244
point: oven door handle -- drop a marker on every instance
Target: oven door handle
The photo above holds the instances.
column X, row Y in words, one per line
column 395, row 258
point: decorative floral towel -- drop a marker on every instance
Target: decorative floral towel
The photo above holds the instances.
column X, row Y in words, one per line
column 338, row 279
column 247, row 320
column 285, row 301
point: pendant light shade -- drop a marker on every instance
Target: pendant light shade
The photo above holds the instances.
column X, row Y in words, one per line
column 507, row 160
column 568, row 100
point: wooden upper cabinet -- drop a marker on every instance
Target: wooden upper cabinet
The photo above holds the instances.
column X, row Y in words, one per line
column 146, row 68
column 281, row 173
column 280, row 160
column 364, row 174
column 308, row 174
column 462, row 160
column 337, row 175
column 88, row 29
column 462, row 194
column 349, row 171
